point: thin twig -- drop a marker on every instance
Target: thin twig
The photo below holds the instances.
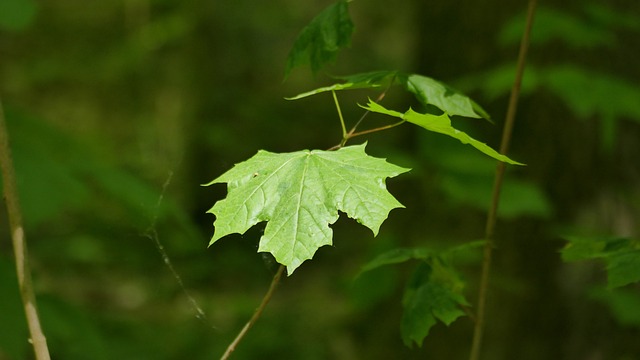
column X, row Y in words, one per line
column 381, row 128
column 497, row 186
column 152, row 234
column 256, row 314
column 380, row 98
column 25, row 283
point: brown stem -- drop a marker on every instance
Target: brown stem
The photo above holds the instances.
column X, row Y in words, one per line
column 497, row 186
column 256, row 314
column 351, row 134
column 25, row 284
column 364, row 132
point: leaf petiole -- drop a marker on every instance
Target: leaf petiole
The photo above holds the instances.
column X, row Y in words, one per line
column 379, row 99
column 352, row 133
column 344, row 127
column 386, row 127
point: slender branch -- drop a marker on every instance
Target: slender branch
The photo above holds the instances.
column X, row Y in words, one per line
column 256, row 314
column 497, row 186
column 381, row 128
column 25, row 284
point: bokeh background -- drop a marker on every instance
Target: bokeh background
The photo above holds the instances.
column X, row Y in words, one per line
column 119, row 109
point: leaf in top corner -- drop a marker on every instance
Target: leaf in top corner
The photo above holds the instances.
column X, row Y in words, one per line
column 433, row 92
column 320, row 41
column 440, row 124
column 299, row 194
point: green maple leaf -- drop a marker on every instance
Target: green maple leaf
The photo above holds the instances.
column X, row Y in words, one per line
column 299, row 194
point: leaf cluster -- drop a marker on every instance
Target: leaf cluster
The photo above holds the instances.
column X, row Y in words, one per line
column 431, row 93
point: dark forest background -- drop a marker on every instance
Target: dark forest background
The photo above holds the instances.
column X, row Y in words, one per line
column 119, row 110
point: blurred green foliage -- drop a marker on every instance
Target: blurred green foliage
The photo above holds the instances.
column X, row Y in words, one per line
column 118, row 110
column 588, row 92
column 17, row 15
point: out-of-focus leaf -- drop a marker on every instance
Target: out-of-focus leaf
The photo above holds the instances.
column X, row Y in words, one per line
column 587, row 93
column 620, row 255
column 320, row 41
column 579, row 248
column 17, row 15
column 48, row 168
column 56, row 173
column 623, row 267
column 434, row 291
column 429, row 296
column 498, row 81
column 608, row 17
column 440, row 124
column 590, row 93
column 555, row 25
column 299, row 195
column 624, row 304
column 466, row 178
column 396, row 256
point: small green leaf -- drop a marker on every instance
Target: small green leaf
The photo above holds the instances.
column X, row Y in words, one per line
column 623, row 267
column 620, row 255
column 433, row 92
column 320, row 41
column 583, row 248
column 440, row 124
column 299, row 194
column 358, row 81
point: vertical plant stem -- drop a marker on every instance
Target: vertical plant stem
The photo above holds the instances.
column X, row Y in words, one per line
column 497, row 186
column 256, row 314
column 25, row 284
